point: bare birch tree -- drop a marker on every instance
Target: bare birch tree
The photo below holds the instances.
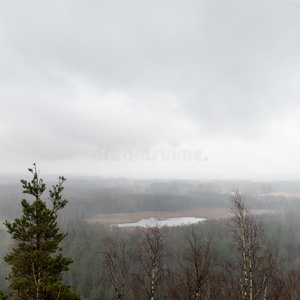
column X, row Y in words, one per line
column 291, row 284
column 256, row 259
column 117, row 262
column 151, row 270
column 196, row 277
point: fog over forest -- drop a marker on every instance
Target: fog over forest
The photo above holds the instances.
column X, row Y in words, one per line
column 150, row 110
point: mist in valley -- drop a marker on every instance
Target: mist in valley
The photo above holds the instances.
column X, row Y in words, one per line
column 154, row 110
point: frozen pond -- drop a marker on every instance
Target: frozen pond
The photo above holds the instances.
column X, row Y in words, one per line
column 152, row 222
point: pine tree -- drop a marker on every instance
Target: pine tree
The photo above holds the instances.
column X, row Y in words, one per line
column 2, row 296
column 36, row 258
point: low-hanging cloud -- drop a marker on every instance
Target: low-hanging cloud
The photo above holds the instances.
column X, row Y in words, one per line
column 77, row 75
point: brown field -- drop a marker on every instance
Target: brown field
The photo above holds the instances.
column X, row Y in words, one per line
column 201, row 212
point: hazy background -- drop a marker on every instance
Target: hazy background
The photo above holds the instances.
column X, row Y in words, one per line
column 85, row 85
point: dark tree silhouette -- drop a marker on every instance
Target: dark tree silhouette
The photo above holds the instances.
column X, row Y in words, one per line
column 36, row 258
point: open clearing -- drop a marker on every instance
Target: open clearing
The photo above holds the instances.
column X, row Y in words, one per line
column 201, row 212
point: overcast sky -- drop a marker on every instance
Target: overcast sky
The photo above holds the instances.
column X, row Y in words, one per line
column 86, row 86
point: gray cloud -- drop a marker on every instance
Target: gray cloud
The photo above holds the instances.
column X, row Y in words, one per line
column 77, row 74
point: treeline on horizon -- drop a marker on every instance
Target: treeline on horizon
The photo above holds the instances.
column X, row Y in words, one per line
column 85, row 243
column 88, row 275
column 90, row 197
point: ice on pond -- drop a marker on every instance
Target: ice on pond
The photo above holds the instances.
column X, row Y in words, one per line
column 152, row 222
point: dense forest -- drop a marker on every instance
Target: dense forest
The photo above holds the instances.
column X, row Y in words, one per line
column 202, row 261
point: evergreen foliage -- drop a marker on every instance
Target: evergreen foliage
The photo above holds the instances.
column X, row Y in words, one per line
column 2, row 296
column 36, row 259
